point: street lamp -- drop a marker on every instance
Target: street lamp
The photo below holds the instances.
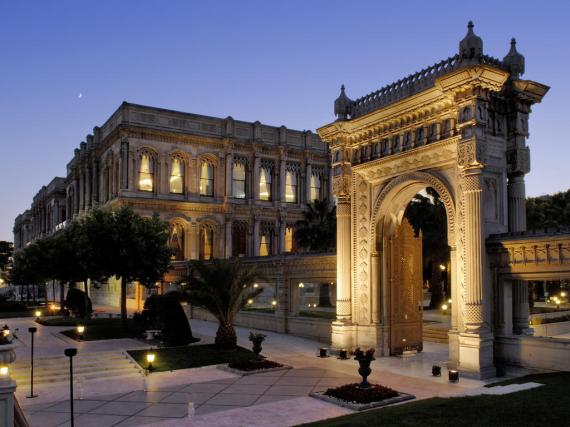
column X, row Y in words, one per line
column 70, row 352
column 80, row 331
column 150, row 357
column 32, row 331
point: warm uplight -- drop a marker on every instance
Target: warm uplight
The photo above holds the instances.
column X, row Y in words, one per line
column 444, row 307
column 150, row 357
column 301, row 285
column 563, row 294
column 449, row 300
column 80, row 329
column 5, row 332
column 273, row 303
column 442, row 267
column 250, row 301
column 38, row 313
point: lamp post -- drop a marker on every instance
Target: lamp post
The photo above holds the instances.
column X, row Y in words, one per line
column 32, row 331
column 70, row 352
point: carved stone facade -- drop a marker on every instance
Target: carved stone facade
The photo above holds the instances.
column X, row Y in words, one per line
column 460, row 127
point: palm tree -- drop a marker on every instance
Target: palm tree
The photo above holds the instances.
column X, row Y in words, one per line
column 223, row 288
column 317, row 230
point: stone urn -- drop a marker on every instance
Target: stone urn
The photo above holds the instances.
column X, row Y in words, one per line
column 256, row 339
column 364, row 359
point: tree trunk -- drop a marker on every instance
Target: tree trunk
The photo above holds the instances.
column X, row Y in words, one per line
column 61, row 295
column 87, row 304
column 124, row 302
column 226, row 337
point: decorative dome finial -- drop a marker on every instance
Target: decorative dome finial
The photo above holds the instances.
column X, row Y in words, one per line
column 514, row 61
column 471, row 47
column 342, row 105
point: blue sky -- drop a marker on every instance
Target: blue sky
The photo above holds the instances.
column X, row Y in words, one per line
column 276, row 62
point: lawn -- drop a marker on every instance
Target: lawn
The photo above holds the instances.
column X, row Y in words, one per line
column 194, row 356
column 97, row 329
column 543, row 406
column 12, row 309
column 318, row 314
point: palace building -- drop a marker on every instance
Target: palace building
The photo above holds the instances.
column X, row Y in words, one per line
column 226, row 187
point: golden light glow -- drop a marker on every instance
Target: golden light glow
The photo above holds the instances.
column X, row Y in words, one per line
column 289, row 239
column 4, row 371
column 444, row 307
column 5, row 332
column 150, row 357
column 265, row 184
column 301, row 285
column 250, row 301
column 290, row 187
column 81, row 329
column 256, row 285
column 563, row 294
column 273, row 303
column 442, row 267
column 449, row 300
column 146, row 173
column 38, row 313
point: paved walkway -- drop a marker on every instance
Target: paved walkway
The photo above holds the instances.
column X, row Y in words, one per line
column 225, row 399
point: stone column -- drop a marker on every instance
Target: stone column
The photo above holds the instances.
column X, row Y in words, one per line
column 87, row 187
column 256, row 225
column 255, row 186
column 453, row 334
column 282, row 227
column 517, row 202
column 308, row 174
column 228, row 236
column 375, row 260
column 521, row 310
column 343, row 268
column 229, row 163
column 476, row 343
column 193, row 239
column 282, row 172
column 124, row 165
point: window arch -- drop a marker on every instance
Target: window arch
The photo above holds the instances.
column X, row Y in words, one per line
column 266, row 239
column 177, row 169
column 206, row 178
column 265, row 181
column 316, row 186
column 239, row 179
column 291, row 184
column 146, row 171
column 239, row 238
column 290, row 238
column 176, row 241
column 206, row 250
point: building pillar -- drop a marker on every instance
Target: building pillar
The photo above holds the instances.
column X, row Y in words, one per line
column 282, row 228
column 193, row 239
column 228, row 236
column 308, row 175
column 255, row 186
column 229, row 164
column 375, row 260
column 256, row 225
column 282, row 172
column 521, row 310
column 453, row 333
column 476, row 343
column 517, row 203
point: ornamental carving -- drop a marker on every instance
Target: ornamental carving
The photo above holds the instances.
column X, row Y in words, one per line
column 518, row 161
column 341, row 185
column 471, row 153
column 362, row 254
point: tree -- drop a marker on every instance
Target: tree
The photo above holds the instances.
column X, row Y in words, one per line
column 32, row 265
column 223, row 288
column 317, row 230
column 6, row 252
column 138, row 251
column 550, row 211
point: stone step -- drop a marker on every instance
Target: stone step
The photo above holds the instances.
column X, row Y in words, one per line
column 64, row 370
column 435, row 335
column 89, row 376
column 40, row 363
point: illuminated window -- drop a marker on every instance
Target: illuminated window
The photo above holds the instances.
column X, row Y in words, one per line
column 206, row 179
column 290, row 187
column 176, row 241
column 265, row 183
column 265, row 244
column 177, row 176
column 238, row 180
column 206, row 243
column 315, row 187
column 289, row 239
column 146, row 173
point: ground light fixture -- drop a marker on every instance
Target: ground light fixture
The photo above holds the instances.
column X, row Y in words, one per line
column 150, row 358
column 4, row 371
column 32, row 331
column 444, row 308
column 38, row 314
column 70, row 352
column 80, row 331
column 274, row 303
column 449, row 301
column 453, row 376
column 6, row 332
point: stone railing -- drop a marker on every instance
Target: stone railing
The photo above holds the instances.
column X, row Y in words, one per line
column 412, row 84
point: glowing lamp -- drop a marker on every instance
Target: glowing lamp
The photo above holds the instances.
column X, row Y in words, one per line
column 38, row 313
column 449, row 300
column 250, row 301
column 256, row 285
column 442, row 267
column 5, row 332
column 150, row 358
column 80, row 331
column 3, row 371
column 273, row 303
column 563, row 294
column 301, row 285
column 444, row 307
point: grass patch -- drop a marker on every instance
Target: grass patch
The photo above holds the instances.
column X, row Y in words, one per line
column 543, row 406
column 14, row 309
column 255, row 365
column 318, row 314
column 260, row 310
column 97, row 329
column 194, row 356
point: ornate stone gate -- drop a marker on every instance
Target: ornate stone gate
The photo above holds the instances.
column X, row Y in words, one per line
column 460, row 127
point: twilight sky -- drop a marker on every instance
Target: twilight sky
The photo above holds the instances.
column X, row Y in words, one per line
column 276, row 62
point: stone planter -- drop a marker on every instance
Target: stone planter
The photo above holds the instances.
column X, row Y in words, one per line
column 364, row 371
column 7, row 353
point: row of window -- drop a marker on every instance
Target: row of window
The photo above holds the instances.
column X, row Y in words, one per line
column 239, row 241
column 146, row 180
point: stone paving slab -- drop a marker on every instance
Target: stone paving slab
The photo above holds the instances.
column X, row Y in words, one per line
column 95, row 420
column 165, row 410
column 121, row 408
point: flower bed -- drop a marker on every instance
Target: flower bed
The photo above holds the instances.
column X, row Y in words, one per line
column 353, row 397
column 353, row 393
column 251, row 367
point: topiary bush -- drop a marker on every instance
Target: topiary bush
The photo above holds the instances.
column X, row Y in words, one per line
column 77, row 303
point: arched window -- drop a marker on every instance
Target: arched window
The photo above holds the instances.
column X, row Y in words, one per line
column 176, row 241
column 291, row 186
column 206, row 178
column 206, row 242
column 265, row 183
column 177, row 175
column 239, row 238
column 238, row 180
column 315, row 187
column 289, row 239
column 146, row 173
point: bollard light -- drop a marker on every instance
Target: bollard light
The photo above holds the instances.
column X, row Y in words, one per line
column 80, row 331
column 453, row 376
column 150, row 358
column 273, row 303
column 38, row 314
column 70, row 352
column 32, row 331
column 343, row 354
column 444, row 308
column 323, row 352
column 3, row 371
